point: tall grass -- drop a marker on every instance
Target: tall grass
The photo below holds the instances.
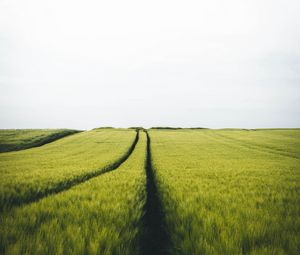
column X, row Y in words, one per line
column 99, row 216
column 282, row 141
column 20, row 139
column 224, row 197
column 36, row 172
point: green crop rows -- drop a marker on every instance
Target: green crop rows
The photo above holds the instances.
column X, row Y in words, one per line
column 112, row 191
column 223, row 195
column 99, row 216
column 14, row 139
column 38, row 171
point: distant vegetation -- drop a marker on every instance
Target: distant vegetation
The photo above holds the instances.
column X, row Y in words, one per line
column 20, row 139
column 166, row 128
column 175, row 128
column 137, row 128
column 103, row 128
column 197, row 128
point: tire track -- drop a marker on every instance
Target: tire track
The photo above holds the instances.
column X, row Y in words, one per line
column 63, row 186
column 154, row 239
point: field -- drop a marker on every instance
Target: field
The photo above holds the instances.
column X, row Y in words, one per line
column 156, row 191
column 101, row 215
column 20, row 139
column 31, row 174
column 229, row 192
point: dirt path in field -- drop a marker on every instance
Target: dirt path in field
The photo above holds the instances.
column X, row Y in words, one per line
column 60, row 187
column 155, row 239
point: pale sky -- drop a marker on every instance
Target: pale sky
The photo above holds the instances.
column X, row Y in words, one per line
column 213, row 63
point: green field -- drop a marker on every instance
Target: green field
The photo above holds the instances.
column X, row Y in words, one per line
column 173, row 191
column 33, row 173
column 99, row 216
column 229, row 192
column 20, row 139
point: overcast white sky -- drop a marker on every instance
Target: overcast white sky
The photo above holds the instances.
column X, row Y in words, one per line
column 213, row 63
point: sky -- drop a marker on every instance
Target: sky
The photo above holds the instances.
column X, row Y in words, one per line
column 86, row 64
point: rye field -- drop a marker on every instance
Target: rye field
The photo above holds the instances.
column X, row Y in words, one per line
column 155, row 191
column 20, row 139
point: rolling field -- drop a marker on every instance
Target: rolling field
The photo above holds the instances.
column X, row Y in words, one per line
column 162, row 191
column 99, row 216
column 223, row 192
column 30, row 174
column 20, row 139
